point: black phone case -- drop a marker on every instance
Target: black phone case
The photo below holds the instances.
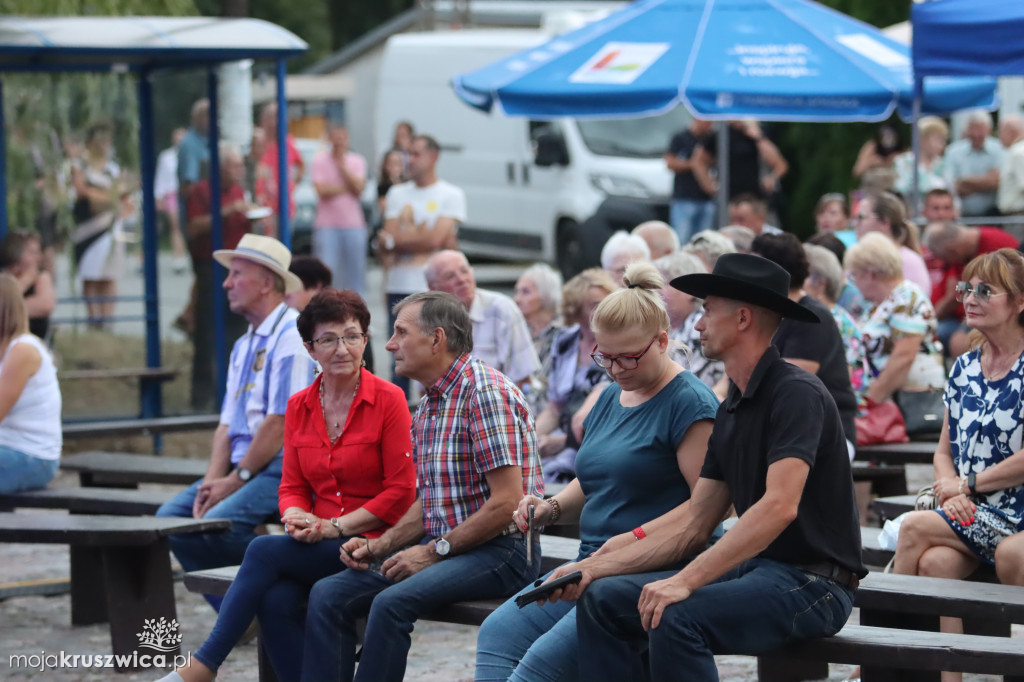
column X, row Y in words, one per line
column 541, row 589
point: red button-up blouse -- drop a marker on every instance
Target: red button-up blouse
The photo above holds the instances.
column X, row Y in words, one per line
column 369, row 466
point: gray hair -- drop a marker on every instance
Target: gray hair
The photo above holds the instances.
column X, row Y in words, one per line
column 678, row 264
column 444, row 311
column 939, row 236
column 430, row 271
column 549, row 284
column 741, row 236
column 980, row 116
column 711, row 245
column 622, row 242
column 824, row 266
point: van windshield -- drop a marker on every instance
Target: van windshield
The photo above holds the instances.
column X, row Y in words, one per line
column 642, row 138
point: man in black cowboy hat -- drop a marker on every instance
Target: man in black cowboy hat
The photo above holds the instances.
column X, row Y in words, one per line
column 788, row 568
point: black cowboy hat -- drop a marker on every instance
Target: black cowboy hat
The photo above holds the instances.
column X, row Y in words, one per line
column 748, row 278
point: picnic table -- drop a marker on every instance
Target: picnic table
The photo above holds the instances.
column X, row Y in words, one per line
column 129, row 582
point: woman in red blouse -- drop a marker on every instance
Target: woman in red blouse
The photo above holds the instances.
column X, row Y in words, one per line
column 347, row 472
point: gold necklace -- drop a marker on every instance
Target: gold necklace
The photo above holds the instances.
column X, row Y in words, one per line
column 323, row 409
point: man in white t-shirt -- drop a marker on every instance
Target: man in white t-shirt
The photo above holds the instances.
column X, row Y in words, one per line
column 500, row 335
column 421, row 217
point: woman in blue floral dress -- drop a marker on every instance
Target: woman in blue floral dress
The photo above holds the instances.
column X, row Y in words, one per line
column 979, row 464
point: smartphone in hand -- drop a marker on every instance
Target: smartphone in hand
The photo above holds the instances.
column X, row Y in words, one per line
column 542, row 590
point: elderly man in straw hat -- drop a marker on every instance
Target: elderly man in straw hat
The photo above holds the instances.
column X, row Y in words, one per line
column 789, row 567
column 268, row 364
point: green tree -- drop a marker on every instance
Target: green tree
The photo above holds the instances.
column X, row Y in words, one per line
column 44, row 111
column 821, row 155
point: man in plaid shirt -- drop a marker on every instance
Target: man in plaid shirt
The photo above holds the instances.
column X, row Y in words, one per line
column 476, row 455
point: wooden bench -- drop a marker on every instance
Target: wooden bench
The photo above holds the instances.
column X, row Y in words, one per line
column 555, row 552
column 141, row 373
column 890, row 507
column 133, row 580
column 125, row 470
column 885, row 479
column 897, row 638
column 144, row 426
column 914, row 452
column 113, row 502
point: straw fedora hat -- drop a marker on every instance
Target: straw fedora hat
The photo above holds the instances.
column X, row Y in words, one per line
column 748, row 278
column 265, row 251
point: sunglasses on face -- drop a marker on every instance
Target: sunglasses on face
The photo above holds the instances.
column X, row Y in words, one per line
column 623, row 361
column 982, row 292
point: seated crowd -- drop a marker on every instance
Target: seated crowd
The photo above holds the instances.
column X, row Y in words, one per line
column 659, row 393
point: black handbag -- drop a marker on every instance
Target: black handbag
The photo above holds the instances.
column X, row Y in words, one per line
column 923, row 411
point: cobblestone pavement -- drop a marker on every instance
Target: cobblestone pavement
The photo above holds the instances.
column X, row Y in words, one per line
column 30, row 625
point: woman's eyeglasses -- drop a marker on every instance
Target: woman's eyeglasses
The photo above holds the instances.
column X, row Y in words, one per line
column 329, row 342
column 982, row 292
column 623, row 361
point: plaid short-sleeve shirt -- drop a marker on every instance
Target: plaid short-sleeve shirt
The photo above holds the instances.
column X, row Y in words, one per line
column 473, row 420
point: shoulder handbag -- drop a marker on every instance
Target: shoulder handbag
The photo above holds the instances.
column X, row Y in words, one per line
column 881, row 423
column 923, row 411
column 925, row 499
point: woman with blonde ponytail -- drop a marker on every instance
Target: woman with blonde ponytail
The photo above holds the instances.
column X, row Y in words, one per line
column 643, row 446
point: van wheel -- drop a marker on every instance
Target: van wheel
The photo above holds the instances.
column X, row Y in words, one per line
column 568, row 248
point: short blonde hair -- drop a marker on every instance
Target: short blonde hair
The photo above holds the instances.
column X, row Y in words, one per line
column 877, row 254
column 639, row 305
column 13, row 316
column 933, row 125
column 575, row 291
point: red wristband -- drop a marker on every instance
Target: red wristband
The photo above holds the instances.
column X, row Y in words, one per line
column 639, row 533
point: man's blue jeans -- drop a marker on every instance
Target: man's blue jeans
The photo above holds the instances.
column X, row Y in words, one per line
column 532, row 644
column 246, row 508
column 273, row 581
column 689, row 217
column 758, row 606
column 497, row 568
column 21, row 471
column 343, row 250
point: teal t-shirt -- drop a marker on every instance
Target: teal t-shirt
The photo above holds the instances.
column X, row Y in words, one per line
column 627, row 464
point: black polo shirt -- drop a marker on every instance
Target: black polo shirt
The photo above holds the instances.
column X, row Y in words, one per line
column 788, row 412
column 822, row 343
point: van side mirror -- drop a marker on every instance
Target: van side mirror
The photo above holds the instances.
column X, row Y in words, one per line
column 549, row 148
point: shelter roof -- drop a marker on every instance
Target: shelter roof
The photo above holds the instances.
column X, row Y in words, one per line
column 137, row 43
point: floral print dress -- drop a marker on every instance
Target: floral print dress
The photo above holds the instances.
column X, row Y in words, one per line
column 986, row 425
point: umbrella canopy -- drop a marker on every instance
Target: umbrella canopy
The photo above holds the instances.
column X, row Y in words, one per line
column 768, row 59
column 968, row 37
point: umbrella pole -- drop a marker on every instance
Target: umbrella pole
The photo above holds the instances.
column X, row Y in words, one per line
column 915, row 189
column 722, row 200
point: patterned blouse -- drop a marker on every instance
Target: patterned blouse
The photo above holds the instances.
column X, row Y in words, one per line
column 907, row 311
column 708, row 371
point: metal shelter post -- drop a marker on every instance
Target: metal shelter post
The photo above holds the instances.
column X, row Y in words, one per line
column 283, row 181
column 152, row 393
column 722, row 154
column 3, row 165
column 915, row 136
column 216, row 242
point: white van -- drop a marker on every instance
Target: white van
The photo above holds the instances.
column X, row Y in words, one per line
column 529, row 184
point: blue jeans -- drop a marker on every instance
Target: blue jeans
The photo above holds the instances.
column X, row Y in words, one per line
column 690, row 217
column 532, row 644
column 758, row 606
column 497, row 568
column 343, row 250
column 273, row 581
column 246, row 508
column 21, row 471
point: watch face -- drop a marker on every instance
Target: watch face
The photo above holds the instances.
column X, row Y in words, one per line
column 244, row 474
column 442, row 547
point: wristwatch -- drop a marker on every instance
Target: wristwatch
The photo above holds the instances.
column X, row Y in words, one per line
column 971, row 479
column 336, row 522
column 243, row 474
column 442, row 547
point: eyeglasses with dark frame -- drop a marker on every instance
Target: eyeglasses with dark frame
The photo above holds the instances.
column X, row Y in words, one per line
column 329, row 342
column 982, row 292
column 624, row 361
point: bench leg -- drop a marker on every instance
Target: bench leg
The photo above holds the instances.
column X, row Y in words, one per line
column 88, row 598
column 139, row 587
column 774, row 669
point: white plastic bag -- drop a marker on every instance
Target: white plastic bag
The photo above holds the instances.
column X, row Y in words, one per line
column 890, row 533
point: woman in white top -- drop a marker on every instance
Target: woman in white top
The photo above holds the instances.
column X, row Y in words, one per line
column 30, row 428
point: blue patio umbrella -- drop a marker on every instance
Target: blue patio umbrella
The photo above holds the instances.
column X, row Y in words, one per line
column 786, row 60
